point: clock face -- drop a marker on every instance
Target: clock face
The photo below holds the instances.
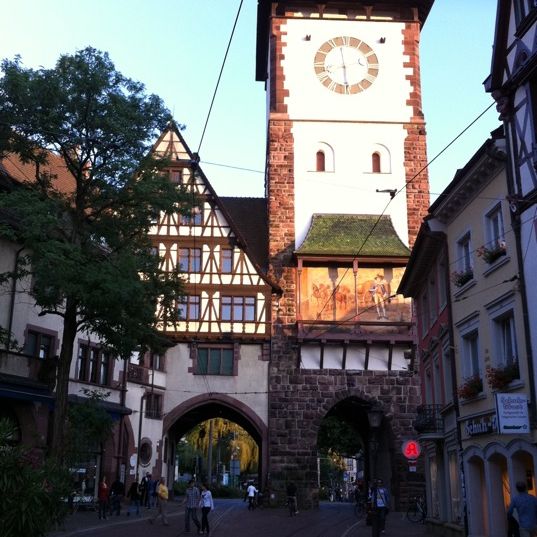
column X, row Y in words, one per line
column 346, row 65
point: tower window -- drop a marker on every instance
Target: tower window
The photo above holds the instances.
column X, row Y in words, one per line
column 375, row 162
column 320, row 162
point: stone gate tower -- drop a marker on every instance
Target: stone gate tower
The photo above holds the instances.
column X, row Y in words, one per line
column 345, row 134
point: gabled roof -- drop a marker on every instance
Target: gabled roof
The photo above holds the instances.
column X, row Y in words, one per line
column 246, row 216
column 250, row 217
column 356, row 235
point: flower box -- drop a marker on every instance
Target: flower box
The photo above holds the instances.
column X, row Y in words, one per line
column 471, row 387
column 462, row 277
column 490, row 255
column 500, row 377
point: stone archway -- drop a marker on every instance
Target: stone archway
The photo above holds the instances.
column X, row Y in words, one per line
column 186, row 415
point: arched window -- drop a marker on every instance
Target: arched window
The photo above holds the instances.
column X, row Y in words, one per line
column 375, row 162
column 320, row 162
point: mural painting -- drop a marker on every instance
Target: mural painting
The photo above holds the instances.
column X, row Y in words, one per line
column 337, row 294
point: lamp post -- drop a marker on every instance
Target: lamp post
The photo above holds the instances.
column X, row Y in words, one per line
column 374, row 417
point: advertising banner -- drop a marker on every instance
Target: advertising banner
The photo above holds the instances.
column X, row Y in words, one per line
column 512, row 410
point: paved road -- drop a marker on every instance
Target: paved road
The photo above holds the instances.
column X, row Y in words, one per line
column 232, row 519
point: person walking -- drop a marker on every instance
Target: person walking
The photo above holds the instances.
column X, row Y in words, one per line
column 380, row 503
column 251, row 491
column 117, row 491
column 291, row 499
column 526, row 508
column 207, row 505
column 162, row 502
column 191, row 501
column 144, row 490
column 134, row 497
column 152, row 496
column 102, row 496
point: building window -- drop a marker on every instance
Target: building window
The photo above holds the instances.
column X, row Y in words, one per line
column 494, row 228
column 153, row 406
column 442, row 282
column 195, row 217
column 189, row 308
column 464, row 254
column 215, row 361
column 504, row 328
column 375, row 162
column 448, row 376
column 226, row 260
column 320, row 162
column 94, row 364
column 176, row 176
column 424, row 313
column 433, row 305
column 522, row 8
column 39, row 345
column 238, row 308
column 156, row 361
column 190, row 259
column 470, row 348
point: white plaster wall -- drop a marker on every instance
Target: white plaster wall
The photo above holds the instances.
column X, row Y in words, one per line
column 353, row 125
column 250, row 386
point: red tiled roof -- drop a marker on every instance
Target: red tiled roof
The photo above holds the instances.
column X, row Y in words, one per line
column 62, row 181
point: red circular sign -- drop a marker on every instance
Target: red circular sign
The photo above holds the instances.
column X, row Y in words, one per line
column 411, row 449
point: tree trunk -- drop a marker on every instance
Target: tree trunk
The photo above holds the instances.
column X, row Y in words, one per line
column 62, row 379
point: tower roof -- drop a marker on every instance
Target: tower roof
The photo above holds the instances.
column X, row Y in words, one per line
column 356, row 235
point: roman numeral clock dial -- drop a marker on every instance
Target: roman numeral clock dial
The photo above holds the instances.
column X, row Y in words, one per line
column 346, row 65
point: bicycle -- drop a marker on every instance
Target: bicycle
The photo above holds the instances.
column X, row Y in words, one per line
column 417, row 511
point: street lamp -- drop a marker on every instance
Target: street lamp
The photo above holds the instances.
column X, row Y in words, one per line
column 374, row 417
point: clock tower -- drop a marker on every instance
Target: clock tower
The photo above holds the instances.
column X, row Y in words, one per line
column 346, row 192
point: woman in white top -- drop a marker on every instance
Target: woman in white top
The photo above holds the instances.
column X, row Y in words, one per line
column 206, row 504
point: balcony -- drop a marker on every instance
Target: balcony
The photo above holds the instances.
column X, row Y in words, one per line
column 429, row 422
column 138, row 373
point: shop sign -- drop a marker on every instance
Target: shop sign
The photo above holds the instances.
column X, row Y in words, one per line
column 411, row 449
column 481, row 425
column 512, row 410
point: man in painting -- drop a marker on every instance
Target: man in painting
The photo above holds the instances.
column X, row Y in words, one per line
column 380, row 293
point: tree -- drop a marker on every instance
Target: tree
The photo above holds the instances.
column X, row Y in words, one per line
column 33, row 494
column 87, row 247
column 338, row 437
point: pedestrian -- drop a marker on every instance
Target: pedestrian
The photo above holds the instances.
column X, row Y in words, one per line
column 207, row 505
column 144, row 490
column 191, row 501
column 162, row 502
column 526, row 510
column 134, row 497
column 251, row 491
column 117, row 491
column 102, row 496
column 380, row 500
column 152, row 496
column 291, row 499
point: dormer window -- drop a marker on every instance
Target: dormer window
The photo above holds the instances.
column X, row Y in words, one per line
column 320, row 161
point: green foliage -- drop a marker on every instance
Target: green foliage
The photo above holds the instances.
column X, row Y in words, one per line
column 32, row 492
column 85, row 211
column 337, row 436
column 89, row 426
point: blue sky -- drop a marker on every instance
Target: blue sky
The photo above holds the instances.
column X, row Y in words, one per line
column 176, row 48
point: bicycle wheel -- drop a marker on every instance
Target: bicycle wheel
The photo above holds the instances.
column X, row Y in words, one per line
column 414, row 514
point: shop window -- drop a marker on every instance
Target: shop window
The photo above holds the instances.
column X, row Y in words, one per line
column 237, row 308
column 39, row 344
column 190, row 259
column 189, row 308
column 215, row 360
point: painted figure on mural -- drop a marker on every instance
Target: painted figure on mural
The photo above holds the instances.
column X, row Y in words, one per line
column 380, row 292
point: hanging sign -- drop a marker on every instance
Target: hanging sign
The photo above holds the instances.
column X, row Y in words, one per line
column 512, row 411
column 411, row 449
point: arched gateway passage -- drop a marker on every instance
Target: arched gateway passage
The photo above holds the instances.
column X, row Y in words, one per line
column 190, row 413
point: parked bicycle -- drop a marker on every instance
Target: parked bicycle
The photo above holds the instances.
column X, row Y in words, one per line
column 417, row 511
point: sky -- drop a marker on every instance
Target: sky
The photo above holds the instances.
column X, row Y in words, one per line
column 176, row 48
